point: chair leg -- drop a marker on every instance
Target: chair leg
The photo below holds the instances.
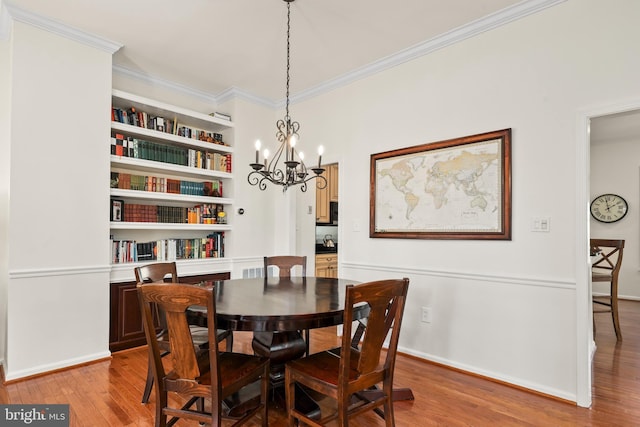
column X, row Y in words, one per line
column 614, row 309
column 264, row 395
column 229, row 343
column 307, row 341
column 290, row 396
column 614, row 316
column 149, row 385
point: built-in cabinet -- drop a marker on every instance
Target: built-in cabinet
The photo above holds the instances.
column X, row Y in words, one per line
column 328, row 194
column 327, row 265
column 171, row 198
column 125, row 320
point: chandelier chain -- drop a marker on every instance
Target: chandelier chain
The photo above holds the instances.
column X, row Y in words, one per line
column 288, row 54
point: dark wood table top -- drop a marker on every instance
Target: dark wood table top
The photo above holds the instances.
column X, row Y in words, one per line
column 279, row 304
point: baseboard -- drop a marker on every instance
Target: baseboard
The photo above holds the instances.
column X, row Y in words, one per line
column 11, row 377
column 517, row 383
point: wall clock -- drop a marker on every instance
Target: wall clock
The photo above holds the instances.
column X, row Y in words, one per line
column 609, row 208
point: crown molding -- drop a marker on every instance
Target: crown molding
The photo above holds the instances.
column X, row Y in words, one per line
column 157, row 81
column 11, row 13
column 487, row 23
column 236, row 93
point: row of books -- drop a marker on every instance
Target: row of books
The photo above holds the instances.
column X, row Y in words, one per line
column 125, row 251
column 166, row 153
column 207, row 213
column 142, row 119
column 127, row 181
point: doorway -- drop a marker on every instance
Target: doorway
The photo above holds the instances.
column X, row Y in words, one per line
column 585, row 342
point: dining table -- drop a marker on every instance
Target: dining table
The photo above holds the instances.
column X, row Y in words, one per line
column 285, row 306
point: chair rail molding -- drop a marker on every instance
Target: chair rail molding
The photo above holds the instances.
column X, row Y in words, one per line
column 494, row 278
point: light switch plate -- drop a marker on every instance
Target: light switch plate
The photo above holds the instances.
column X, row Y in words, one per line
column 541, row 224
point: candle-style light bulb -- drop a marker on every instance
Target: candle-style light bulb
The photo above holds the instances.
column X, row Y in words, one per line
column 258, row 151
column 292, row 143
column 320, row 151
column 301, row 155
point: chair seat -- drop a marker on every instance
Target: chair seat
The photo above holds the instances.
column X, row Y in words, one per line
column 600, row 277
column 234, row 366
column 199, row 334
column 323, row 366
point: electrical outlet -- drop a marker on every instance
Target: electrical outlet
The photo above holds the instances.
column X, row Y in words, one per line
column 426, row 315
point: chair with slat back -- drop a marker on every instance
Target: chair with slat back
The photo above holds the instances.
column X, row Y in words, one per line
column 342, row 376
column 197, row 373
column 279, row 346
column 606, row 268
column 163, row 272
column 285, row 264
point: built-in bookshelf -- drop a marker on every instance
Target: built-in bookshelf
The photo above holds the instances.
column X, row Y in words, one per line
column 170, row 187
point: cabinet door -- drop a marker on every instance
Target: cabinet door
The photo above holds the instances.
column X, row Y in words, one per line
column 322, row 202
column 327, row 266
column 126, row 320
column 333, row 182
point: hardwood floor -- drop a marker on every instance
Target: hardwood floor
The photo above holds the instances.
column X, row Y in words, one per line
column 108, row 393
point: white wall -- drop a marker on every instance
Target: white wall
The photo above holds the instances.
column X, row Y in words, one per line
column 58, row 270
column 615, row 168
column 506, row 309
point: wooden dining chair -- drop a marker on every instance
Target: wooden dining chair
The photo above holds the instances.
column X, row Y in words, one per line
column 162, row 272
column 342, row 376
column 197, row 374
column 284, row 264
column 283, row 345
column 606, row 268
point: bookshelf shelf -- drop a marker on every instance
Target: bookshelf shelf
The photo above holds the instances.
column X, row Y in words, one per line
column 156, row 136
column 134, row 195
column 127, row 100
column 137, row 133
column 151, row 166
column 168, row 226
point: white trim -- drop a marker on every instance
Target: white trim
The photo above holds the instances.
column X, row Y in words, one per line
column 30, row 18
column 487, row 23
column 234, row 92
column 494, row 278
column 60, row 271
column 456, row 35
column 5, row 23
column 157, row 81
column 584, row 310
column 54, row 366
column 491, row 374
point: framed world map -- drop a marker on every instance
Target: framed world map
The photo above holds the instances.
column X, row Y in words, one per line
column 454, row 189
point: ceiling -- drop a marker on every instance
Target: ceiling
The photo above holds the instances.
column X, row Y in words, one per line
column 212, row 46
column 615, row 127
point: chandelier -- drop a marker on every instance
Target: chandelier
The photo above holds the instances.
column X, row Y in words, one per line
column 286, row 167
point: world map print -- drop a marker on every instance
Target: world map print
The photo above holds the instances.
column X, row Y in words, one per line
column 453, row 189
